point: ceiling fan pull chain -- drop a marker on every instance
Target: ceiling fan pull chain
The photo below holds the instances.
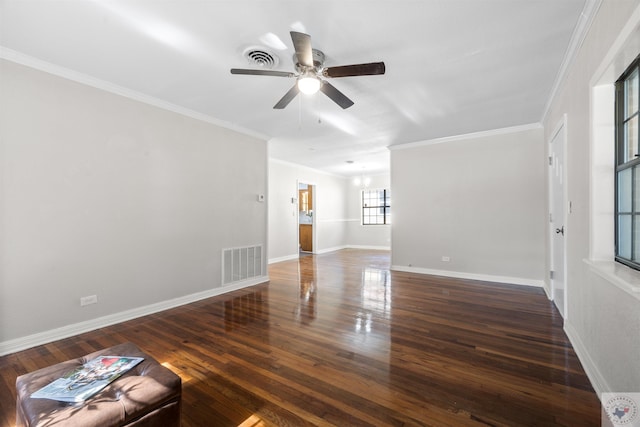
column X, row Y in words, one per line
column 300, row 113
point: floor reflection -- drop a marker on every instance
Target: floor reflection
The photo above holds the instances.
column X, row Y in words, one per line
column 368, row 298
column 247, row 309
column 376, row 291
column 306, row 310
column 375, row 299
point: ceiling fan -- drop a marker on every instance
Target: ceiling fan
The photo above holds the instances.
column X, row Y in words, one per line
column 309, row 66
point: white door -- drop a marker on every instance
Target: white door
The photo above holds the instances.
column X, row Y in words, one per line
column 557, row 219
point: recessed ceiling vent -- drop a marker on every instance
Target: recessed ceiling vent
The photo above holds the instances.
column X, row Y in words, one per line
column 261, row 57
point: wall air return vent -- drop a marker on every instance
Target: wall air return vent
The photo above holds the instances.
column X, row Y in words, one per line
column 240, row 264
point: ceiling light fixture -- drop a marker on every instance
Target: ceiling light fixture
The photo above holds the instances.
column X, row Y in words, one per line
column 308, row 83
column 362, row 181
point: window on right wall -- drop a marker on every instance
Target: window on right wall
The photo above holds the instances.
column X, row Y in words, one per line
column 627, row 192
column 376, row 207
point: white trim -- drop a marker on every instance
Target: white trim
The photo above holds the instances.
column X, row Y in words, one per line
column 351, row 175
column 577, row 38
column 356, row 174
column 40, row 338
column 561, row 126
column 314, row 219
column 596, row 378
column 602, row 172
column 338, row 248
column 621, row 53
column 369, row 247
column 471, row 276
column 308, row 168
column 284, row 258
column 47, row 67
column 473, row 135
column 602, row 144
column 333, row 249
column 617, row 274
column 602, row 138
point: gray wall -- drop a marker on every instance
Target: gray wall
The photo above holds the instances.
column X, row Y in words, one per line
column 336, row 212
column 329, row 206
column 366, row 236
column 479, row 200
column 103, row 195
column 603, row 313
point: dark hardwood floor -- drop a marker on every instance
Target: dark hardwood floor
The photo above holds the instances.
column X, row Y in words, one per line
column 338, row 339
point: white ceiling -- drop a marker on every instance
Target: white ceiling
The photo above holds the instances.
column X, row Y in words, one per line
column 452, row 66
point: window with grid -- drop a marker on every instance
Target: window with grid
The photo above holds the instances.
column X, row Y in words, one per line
column 628, row 167
column 376, row 207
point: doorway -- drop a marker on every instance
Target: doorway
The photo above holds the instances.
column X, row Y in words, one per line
column 305, row 217
column 557, row 217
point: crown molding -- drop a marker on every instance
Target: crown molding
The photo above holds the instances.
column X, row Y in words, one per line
column 473, row 135
column 580, row 31
column 305, row 168
column 69, row 74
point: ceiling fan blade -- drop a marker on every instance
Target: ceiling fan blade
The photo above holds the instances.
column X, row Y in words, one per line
column 261, row 72
column 286, row 99
column 335, row 95
column 302, row 44
column 370, row 69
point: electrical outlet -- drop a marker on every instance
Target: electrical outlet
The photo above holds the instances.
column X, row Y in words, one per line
column 446, row 258
column 91, row 299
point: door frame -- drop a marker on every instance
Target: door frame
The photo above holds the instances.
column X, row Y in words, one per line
column 560, row 127
column 314, row 244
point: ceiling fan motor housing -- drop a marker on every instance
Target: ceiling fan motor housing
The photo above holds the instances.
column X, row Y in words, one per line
column 318, row 61
column 309, row 66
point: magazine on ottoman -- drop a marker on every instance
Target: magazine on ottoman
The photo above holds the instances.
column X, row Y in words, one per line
column 88, row 379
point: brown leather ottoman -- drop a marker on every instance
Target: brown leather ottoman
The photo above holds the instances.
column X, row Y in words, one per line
column 147, row 395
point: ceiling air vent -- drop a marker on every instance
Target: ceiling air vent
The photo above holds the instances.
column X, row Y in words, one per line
column 260, row 57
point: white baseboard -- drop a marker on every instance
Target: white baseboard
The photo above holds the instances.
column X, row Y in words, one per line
column 370, row 247
column 327, row 250
column 471, row 276
column 339, row 248
column 324, row 251
column 593, row 373
column 283, row 258
column 23, row 343
column 595, row 377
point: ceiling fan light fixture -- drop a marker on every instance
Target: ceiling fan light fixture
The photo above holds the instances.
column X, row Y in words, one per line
column 310, row 71
column 308, row 84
